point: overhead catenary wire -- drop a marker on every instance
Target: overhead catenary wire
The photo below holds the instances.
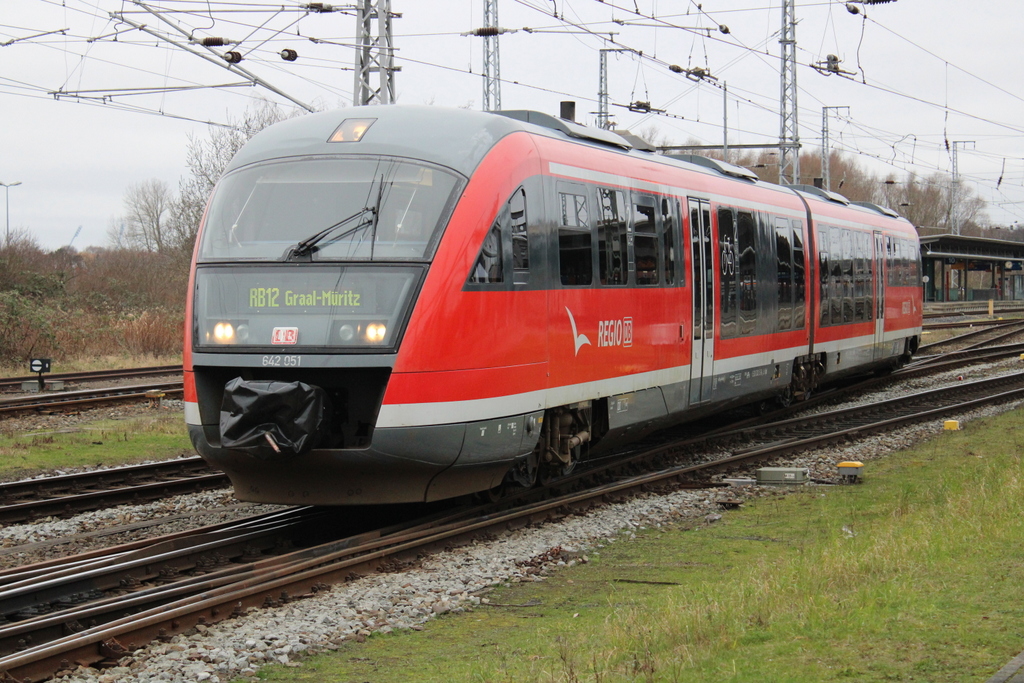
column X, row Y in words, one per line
column 313, row 71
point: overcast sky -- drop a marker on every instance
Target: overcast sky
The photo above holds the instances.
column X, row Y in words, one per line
column 922, row 74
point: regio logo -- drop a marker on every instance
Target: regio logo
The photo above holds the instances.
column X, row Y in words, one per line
column 615, row 332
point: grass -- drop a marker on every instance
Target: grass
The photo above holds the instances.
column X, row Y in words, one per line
column 913, row 575
column 155, row 436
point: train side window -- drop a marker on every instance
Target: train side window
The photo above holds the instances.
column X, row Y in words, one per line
column 835, row 257
column 575, row 249
column 670, row 238
column 860, row 272
column 869, row 289
column 746, row 247
column 915, row 264
column 824, row 277
column 908, row 268
column 890, row 273
column 799, row 278
column 645, row 240
column 727, row 261
column 897, row 262
column 520, row 238
column 784, row 272
column 612, row 231
column 489, row 267
column 490, row 262
column 847, row 275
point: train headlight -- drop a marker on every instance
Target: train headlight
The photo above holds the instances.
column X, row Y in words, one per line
column 242, row 333
column 224, row 333
column 346, row 332
column 375, row 332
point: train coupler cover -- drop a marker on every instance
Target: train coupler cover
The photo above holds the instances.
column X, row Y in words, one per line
column 267, row 418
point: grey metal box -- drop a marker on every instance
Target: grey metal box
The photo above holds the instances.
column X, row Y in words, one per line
column 782, row 475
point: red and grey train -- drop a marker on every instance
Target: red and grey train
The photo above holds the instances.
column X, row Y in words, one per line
column 397, row 304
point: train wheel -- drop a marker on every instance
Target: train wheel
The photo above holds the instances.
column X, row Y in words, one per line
column 552, row 472
column 785, row 399
column 492, row 495
column 524, row 472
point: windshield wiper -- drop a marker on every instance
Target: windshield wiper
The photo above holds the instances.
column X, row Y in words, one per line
column 376, row 214
column 307, row 246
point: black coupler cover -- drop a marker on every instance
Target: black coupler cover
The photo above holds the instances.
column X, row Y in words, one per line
column 267, row 419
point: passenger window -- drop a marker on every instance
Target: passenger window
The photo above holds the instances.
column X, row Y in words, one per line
column 784, row 269
column 799, row 278
column 835, row 255
column 520, row 239
column 890, row 279
column 847, row 275
column 490, row 263
column 489, row 267
column 746, row 247
column 860, row 270
column 670, row 227
column 824, row 276
column 612, row 235
column 727, row 259
column 575, row 251
column 645, row 241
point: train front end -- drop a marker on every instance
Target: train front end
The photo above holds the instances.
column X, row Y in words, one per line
column 309, row 262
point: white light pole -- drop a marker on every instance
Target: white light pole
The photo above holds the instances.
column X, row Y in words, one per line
column 7, row 204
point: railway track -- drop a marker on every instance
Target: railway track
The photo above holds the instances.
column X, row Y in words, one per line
column 7, row 383
column 967, row 322
column 69, row 494
column 108, row 627
column 989, row 334
column 87, row 397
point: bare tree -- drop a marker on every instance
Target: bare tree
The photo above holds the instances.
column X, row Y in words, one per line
column 207, row 158
column 145, row 223
column 931, row 202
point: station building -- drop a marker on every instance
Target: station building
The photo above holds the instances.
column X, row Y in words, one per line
column 964, row 269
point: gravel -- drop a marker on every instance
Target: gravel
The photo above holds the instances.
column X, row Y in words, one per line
column 455, row 580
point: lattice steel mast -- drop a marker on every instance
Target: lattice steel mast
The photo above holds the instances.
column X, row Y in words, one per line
column 375, row 54
column 604, row 119
column 492, row 66
column 789, row 137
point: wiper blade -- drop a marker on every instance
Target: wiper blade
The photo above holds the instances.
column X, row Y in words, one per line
column 376, row 215
column 307, row 245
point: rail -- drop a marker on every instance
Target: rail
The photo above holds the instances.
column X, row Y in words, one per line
column 233, row 591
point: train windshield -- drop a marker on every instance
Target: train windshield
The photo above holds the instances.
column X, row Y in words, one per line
column 329, row 209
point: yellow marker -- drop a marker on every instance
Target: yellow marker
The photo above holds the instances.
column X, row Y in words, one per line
column 849, row 470
column 951, row 425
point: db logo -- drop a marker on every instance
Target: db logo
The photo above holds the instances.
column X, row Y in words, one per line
column 285, row 335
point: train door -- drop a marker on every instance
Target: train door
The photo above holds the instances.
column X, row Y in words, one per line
column 703, row 352
column 880, row 278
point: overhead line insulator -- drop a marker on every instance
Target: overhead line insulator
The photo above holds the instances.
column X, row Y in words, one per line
column 489, row 31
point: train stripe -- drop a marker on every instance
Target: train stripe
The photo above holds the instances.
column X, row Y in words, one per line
column 471, row 410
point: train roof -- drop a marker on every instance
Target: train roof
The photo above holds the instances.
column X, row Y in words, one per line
column 456, row 138
column 459, row 139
